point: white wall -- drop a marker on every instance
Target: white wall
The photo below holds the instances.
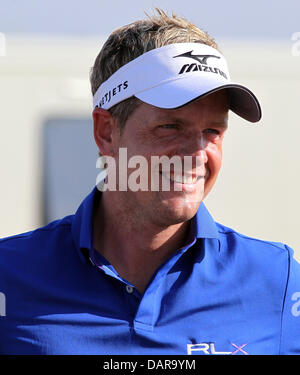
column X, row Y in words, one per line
column 39, row 77
column 257, row 191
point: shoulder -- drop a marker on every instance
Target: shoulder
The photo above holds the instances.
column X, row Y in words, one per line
column 233, row 238
column 49, row 228
column 272, row 276
column 24, row 244
column 266, row 263
column 32, row 259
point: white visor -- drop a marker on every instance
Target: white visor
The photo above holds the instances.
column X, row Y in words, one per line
column 174, row 75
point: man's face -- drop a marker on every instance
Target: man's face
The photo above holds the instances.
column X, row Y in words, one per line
column 195, row 130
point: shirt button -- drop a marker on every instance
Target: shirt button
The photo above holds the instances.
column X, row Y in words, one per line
column 129, row 289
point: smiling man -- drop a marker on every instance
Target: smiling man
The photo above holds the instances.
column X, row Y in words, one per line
column 148, row 271
column 162, row 217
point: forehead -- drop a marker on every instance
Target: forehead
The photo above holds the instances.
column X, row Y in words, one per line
column 215, row 105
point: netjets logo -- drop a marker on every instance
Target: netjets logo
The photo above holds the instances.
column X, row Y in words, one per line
column 209, row 348
column 202, row 65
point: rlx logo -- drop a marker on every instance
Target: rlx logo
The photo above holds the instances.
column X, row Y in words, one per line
column 209, row 348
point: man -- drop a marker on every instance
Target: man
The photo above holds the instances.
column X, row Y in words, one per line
column 148, row 271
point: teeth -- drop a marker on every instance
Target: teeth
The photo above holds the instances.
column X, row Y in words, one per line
column 188, row 179
column 181, row 179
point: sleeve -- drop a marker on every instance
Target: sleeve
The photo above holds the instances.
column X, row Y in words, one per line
column 290, row 322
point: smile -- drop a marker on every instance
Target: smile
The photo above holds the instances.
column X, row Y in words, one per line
column 182, row 179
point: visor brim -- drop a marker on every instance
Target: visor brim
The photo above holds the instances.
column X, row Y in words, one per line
column 177, row 93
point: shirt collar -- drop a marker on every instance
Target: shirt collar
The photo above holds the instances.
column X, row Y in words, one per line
column 203, row 225
column 82, row 226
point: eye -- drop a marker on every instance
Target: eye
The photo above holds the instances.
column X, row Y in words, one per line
column 212, row 131
column 168, row 126
column 213, row 135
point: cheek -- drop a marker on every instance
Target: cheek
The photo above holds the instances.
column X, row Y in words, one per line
column 214, row 159
column 214, row 162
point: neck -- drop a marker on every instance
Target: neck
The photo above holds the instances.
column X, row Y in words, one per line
column 135, row 248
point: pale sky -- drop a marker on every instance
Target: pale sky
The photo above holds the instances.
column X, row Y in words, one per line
column 255, row 19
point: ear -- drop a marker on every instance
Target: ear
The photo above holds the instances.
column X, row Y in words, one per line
column 104, row 126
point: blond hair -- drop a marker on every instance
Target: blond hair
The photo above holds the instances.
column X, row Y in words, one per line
column 130, row 41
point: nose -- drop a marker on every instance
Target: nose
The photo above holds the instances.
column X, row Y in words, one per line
column 196, row 147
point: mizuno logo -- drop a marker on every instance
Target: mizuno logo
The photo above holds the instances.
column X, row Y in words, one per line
column 201, row 65
column 202, row 59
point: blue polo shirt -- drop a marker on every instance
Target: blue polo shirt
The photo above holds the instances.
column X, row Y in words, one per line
column 222, row 293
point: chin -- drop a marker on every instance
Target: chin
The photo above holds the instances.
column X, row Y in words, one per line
column 179, row 210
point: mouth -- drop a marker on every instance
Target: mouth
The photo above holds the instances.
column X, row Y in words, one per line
column 186, row 179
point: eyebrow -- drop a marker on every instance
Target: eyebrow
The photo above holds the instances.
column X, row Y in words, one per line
column 220, row 124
